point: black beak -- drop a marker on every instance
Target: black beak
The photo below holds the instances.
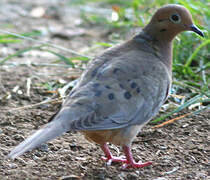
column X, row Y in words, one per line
column 196, row 30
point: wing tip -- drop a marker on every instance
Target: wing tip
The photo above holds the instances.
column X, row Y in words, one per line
column 12, row 155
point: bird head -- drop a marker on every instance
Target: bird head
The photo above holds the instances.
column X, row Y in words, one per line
column 170, row 20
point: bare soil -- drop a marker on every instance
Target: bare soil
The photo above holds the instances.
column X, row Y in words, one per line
column 178, row 151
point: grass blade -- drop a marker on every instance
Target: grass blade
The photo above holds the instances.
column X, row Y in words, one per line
column 9, row 40
column 189, row 60
column 61, row 57
column 186, row 104
column 19, row 53
column 85, row 59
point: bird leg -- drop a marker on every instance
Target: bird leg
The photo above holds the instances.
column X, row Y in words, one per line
column 130, row 162
column 109, row 157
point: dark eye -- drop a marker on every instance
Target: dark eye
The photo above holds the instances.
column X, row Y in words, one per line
column 175, row 18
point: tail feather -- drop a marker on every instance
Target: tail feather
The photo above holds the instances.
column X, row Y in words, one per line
column 48, row 132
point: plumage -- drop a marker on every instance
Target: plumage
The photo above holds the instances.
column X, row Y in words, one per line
column 121, row 90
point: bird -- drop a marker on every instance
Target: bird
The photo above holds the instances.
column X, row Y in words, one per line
column 120, row 90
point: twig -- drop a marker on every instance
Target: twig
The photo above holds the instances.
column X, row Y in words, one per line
column 28, row 87
column 177, row 96
column 180, row 117
column 63, row 90
column 171, row 121
column 37, row 104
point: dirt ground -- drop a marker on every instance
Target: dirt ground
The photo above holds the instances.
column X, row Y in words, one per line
column 178, row 151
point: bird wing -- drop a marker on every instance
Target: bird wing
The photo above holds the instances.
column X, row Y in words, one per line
column 120, row 93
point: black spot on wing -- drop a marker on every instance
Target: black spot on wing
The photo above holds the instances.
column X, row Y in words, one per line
column 107, row 87
column 133, row 85
column 138, row 90
column 127, row 95
column 96, row 89
column 111, row 96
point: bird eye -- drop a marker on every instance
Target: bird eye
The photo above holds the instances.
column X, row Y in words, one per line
column 175, row 18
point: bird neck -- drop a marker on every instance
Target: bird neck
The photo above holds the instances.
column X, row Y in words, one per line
column 162, row 48
column 165, row 50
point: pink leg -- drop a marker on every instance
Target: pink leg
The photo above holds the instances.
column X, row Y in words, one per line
column 109, row 158
column 130, row 161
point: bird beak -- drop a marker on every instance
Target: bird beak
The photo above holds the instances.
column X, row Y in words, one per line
column 196, row 30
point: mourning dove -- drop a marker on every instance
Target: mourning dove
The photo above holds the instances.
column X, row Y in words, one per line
column 121, row 90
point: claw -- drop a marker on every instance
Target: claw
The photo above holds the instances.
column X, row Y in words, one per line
column 114, row 159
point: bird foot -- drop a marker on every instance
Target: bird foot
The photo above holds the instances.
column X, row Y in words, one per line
column 128, row 161
column 114, row 159
column 125, row 162
column 135, row 165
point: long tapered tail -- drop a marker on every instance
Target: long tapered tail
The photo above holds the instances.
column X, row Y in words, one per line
column 48, row 132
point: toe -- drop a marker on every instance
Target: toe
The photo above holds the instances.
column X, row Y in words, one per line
column 136, row 165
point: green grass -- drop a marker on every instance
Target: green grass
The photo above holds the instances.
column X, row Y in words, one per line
column 8, row 38
column 191, row 55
